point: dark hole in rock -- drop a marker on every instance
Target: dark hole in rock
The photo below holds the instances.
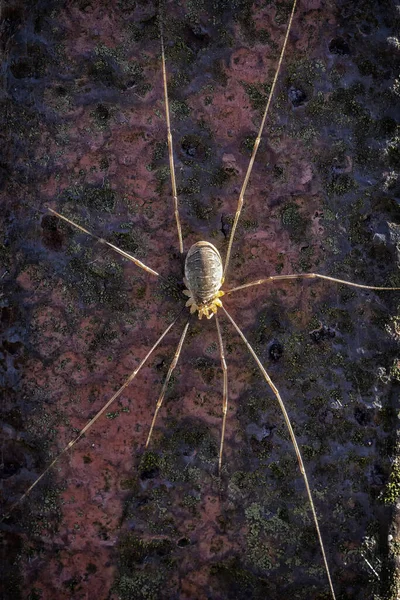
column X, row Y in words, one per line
column 52, row 237
column 11, row 347
column 142, row 501
column 361, row 415
column 61, row 90
column 197, row 37
column 160, row 365
column 149, row 474
column 322, row 333
column 275, row 351
column 277, row 171
column 8, row 315
column 297, row 96
column 102, row 71
column 387, row 126
column 339, row 46
column 183, row 542
column 5, row 173
column 11, row 20
column 102, row 112
column 193, row 147
column 377, row 475
column 33, row 65
column 365, row 28
column 13, row 460
column 22, row 69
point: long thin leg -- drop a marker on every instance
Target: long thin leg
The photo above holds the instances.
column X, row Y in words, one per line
column 168, row 377
column 169, row 138
column 307, row 276
column 225, row 393
column 257, row 142
column 294, row 442
column 94, row 419
column 102, row 241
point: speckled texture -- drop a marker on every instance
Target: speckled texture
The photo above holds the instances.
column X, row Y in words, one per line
column 84, row 132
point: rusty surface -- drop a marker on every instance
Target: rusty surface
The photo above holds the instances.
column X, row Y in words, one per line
column 84, row 132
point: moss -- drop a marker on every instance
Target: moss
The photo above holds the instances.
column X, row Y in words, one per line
column 171, row 287
column 305, row 262
column 258, row 552
column 93, row 196
column 257, row 94
column 179, row 109
column 392, row 492
column 102, row 70
column 132, row 241
column 149, row 463
column 96, row 282
column 340, row 184
column 101, row 116
column 133, row 550
column 104, row 164
column 162, row 176
column 189, row 436
column 239, row 583
column 247, row 144
column 129, row 484
column 144, row 566
column 139, row 586
column 220, row 177
column 206, row 367
column 358, row 226
column 202, row 210
column 362, row 375
column 293, row 221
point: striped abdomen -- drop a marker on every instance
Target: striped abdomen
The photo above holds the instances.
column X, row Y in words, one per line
column 203, row 272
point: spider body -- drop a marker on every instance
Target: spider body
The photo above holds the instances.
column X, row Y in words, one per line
column 203, row 278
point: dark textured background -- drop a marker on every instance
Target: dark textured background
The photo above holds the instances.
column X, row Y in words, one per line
column 83, row 130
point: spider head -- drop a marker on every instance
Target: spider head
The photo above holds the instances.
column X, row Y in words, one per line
column 205, row 309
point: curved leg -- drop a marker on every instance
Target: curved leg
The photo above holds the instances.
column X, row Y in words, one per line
column 294, row 442
column 257, row 142
column 92, row 421
column 137, row 262
column 224, row 394
column 169, row 139
column 307, row 276
column 168, row 377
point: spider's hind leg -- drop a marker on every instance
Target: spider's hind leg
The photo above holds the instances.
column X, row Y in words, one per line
column 225, row 392
column 294, row 442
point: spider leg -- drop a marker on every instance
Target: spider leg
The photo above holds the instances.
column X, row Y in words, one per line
column 257, row 141
column 169, row 138
column 165, row 384
column 294, row 442
column 225, row 392
column 137, row 262
column 307, row 276
column 92, row 421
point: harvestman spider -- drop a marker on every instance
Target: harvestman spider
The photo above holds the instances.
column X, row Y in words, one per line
column 205, row 275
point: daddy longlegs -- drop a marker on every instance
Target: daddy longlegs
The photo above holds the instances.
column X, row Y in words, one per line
column 207, row 277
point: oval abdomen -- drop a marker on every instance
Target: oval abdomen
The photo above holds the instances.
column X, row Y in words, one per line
column 203, row 271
